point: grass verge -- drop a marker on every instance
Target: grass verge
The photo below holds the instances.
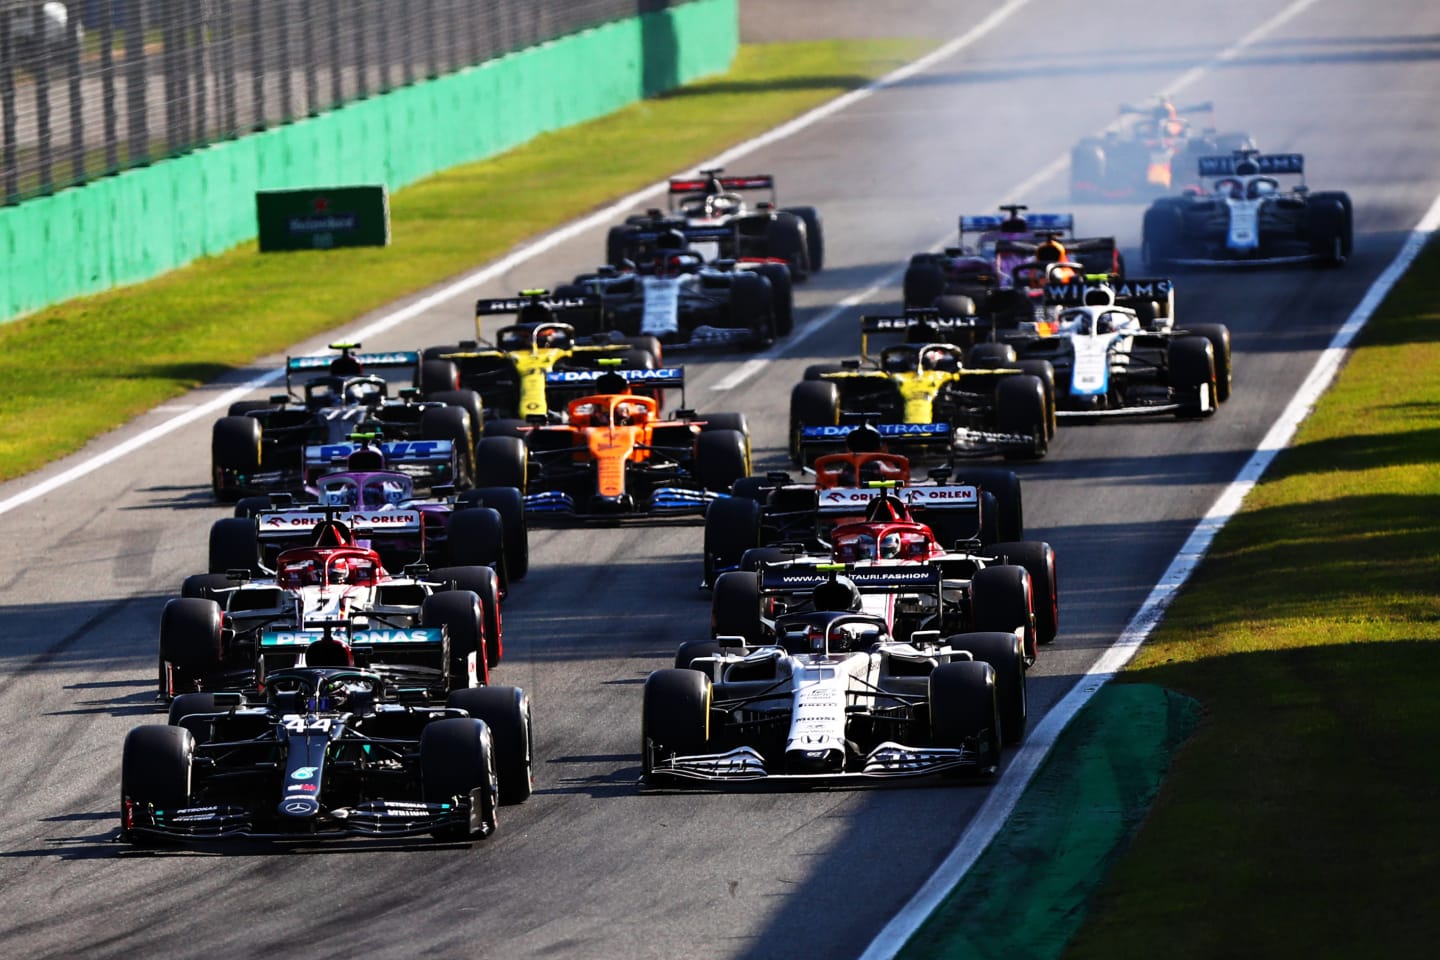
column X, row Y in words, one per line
column 1300, row 819
column 83, row 367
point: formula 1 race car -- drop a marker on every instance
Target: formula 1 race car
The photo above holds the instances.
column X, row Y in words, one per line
column 680, row 299
column 272, row 445
column 710, row 211
column 832, row 694
column 512, row 374
column 963, row 280
column 1116, row 350
column 438, row 629
column 924, row 390
column 1138, row 161
column 615, row 456
column 887, row 537
column 968, row 504
column 326, row 752
column 1247, row 219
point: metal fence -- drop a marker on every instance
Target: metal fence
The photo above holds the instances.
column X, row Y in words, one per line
column 90, row 87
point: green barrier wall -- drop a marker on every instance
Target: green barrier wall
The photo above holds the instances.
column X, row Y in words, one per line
column 143, row 222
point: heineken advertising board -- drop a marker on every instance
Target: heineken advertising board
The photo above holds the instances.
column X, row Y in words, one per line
column 319, row 218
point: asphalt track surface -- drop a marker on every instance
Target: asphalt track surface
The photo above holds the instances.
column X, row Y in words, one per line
column 590, row 866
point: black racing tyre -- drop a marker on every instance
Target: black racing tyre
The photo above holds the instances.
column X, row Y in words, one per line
column 782, row 292
column 1332, row 226
column 183, row 709
column 1038, row 559
column 964, row 706
column 470, row 402
column 924, row 284
column 234, row 545
column 1219, row 336
column 1161, row 234
column 457, row 760
column 500, row 462
column 475, row 536
column 1020, row 409
column 506, row 711
column 726, row 421
column 1002, row 600
column 1002, row 651
column 752, row 307
column 190, row 637
column 815, row 371
column 453, row 424
column 510, row 504
column 241, row 407
column 988, row 356
column 691, row 650
column 437, row 352
column 989, row 519
column 1192, row 375
column 735, row 607
column 1045, row 371
column 637, row 359
column 675, row 717
column 437, row 376
column 721, row 458
column 814, row 236
column 1087, row 169
column 234, row 445
column 616, row 243
column 756, row 557
column 650, row 345
column 752, row 488
column 458, row 611
column 247, row 507
column 484, row 583
column 785, row 240
column 813, row 403
column 205, row 586
column 155, row 770
column 955, row 305
column 501, row 427
column 1009, row 498
column 732, row 526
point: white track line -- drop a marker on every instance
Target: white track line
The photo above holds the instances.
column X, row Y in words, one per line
column 89, row 464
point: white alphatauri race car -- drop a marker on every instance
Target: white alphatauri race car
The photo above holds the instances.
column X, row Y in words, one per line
column 834, row 697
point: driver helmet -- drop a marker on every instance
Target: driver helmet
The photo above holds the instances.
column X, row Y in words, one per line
column 340, row 570
column 839, row 594
column 938, row 358
column 890, row 546
column 550, row 337
column 600, row 416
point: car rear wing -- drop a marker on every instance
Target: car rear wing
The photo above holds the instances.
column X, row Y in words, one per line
column 854, row 500
column 1245, row 163
column 289, row 524
column 331, row 457
column 392, row 359
column 664, row 378
column 491, row 307
column 990, row 222
column 1207, row 106
column 762, row 181
column 1130, row 292
column 390, row 638
column 814, row 439
column 926, row 317
column 800, row 577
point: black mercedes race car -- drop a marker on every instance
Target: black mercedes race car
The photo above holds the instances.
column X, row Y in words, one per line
column 1246, row 218
column 711, row 211
column 280, row 444
column 326, row 752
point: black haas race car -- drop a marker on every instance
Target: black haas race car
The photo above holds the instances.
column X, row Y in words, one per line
column 711, row 211
column 1246, row 218
column 326, row 751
